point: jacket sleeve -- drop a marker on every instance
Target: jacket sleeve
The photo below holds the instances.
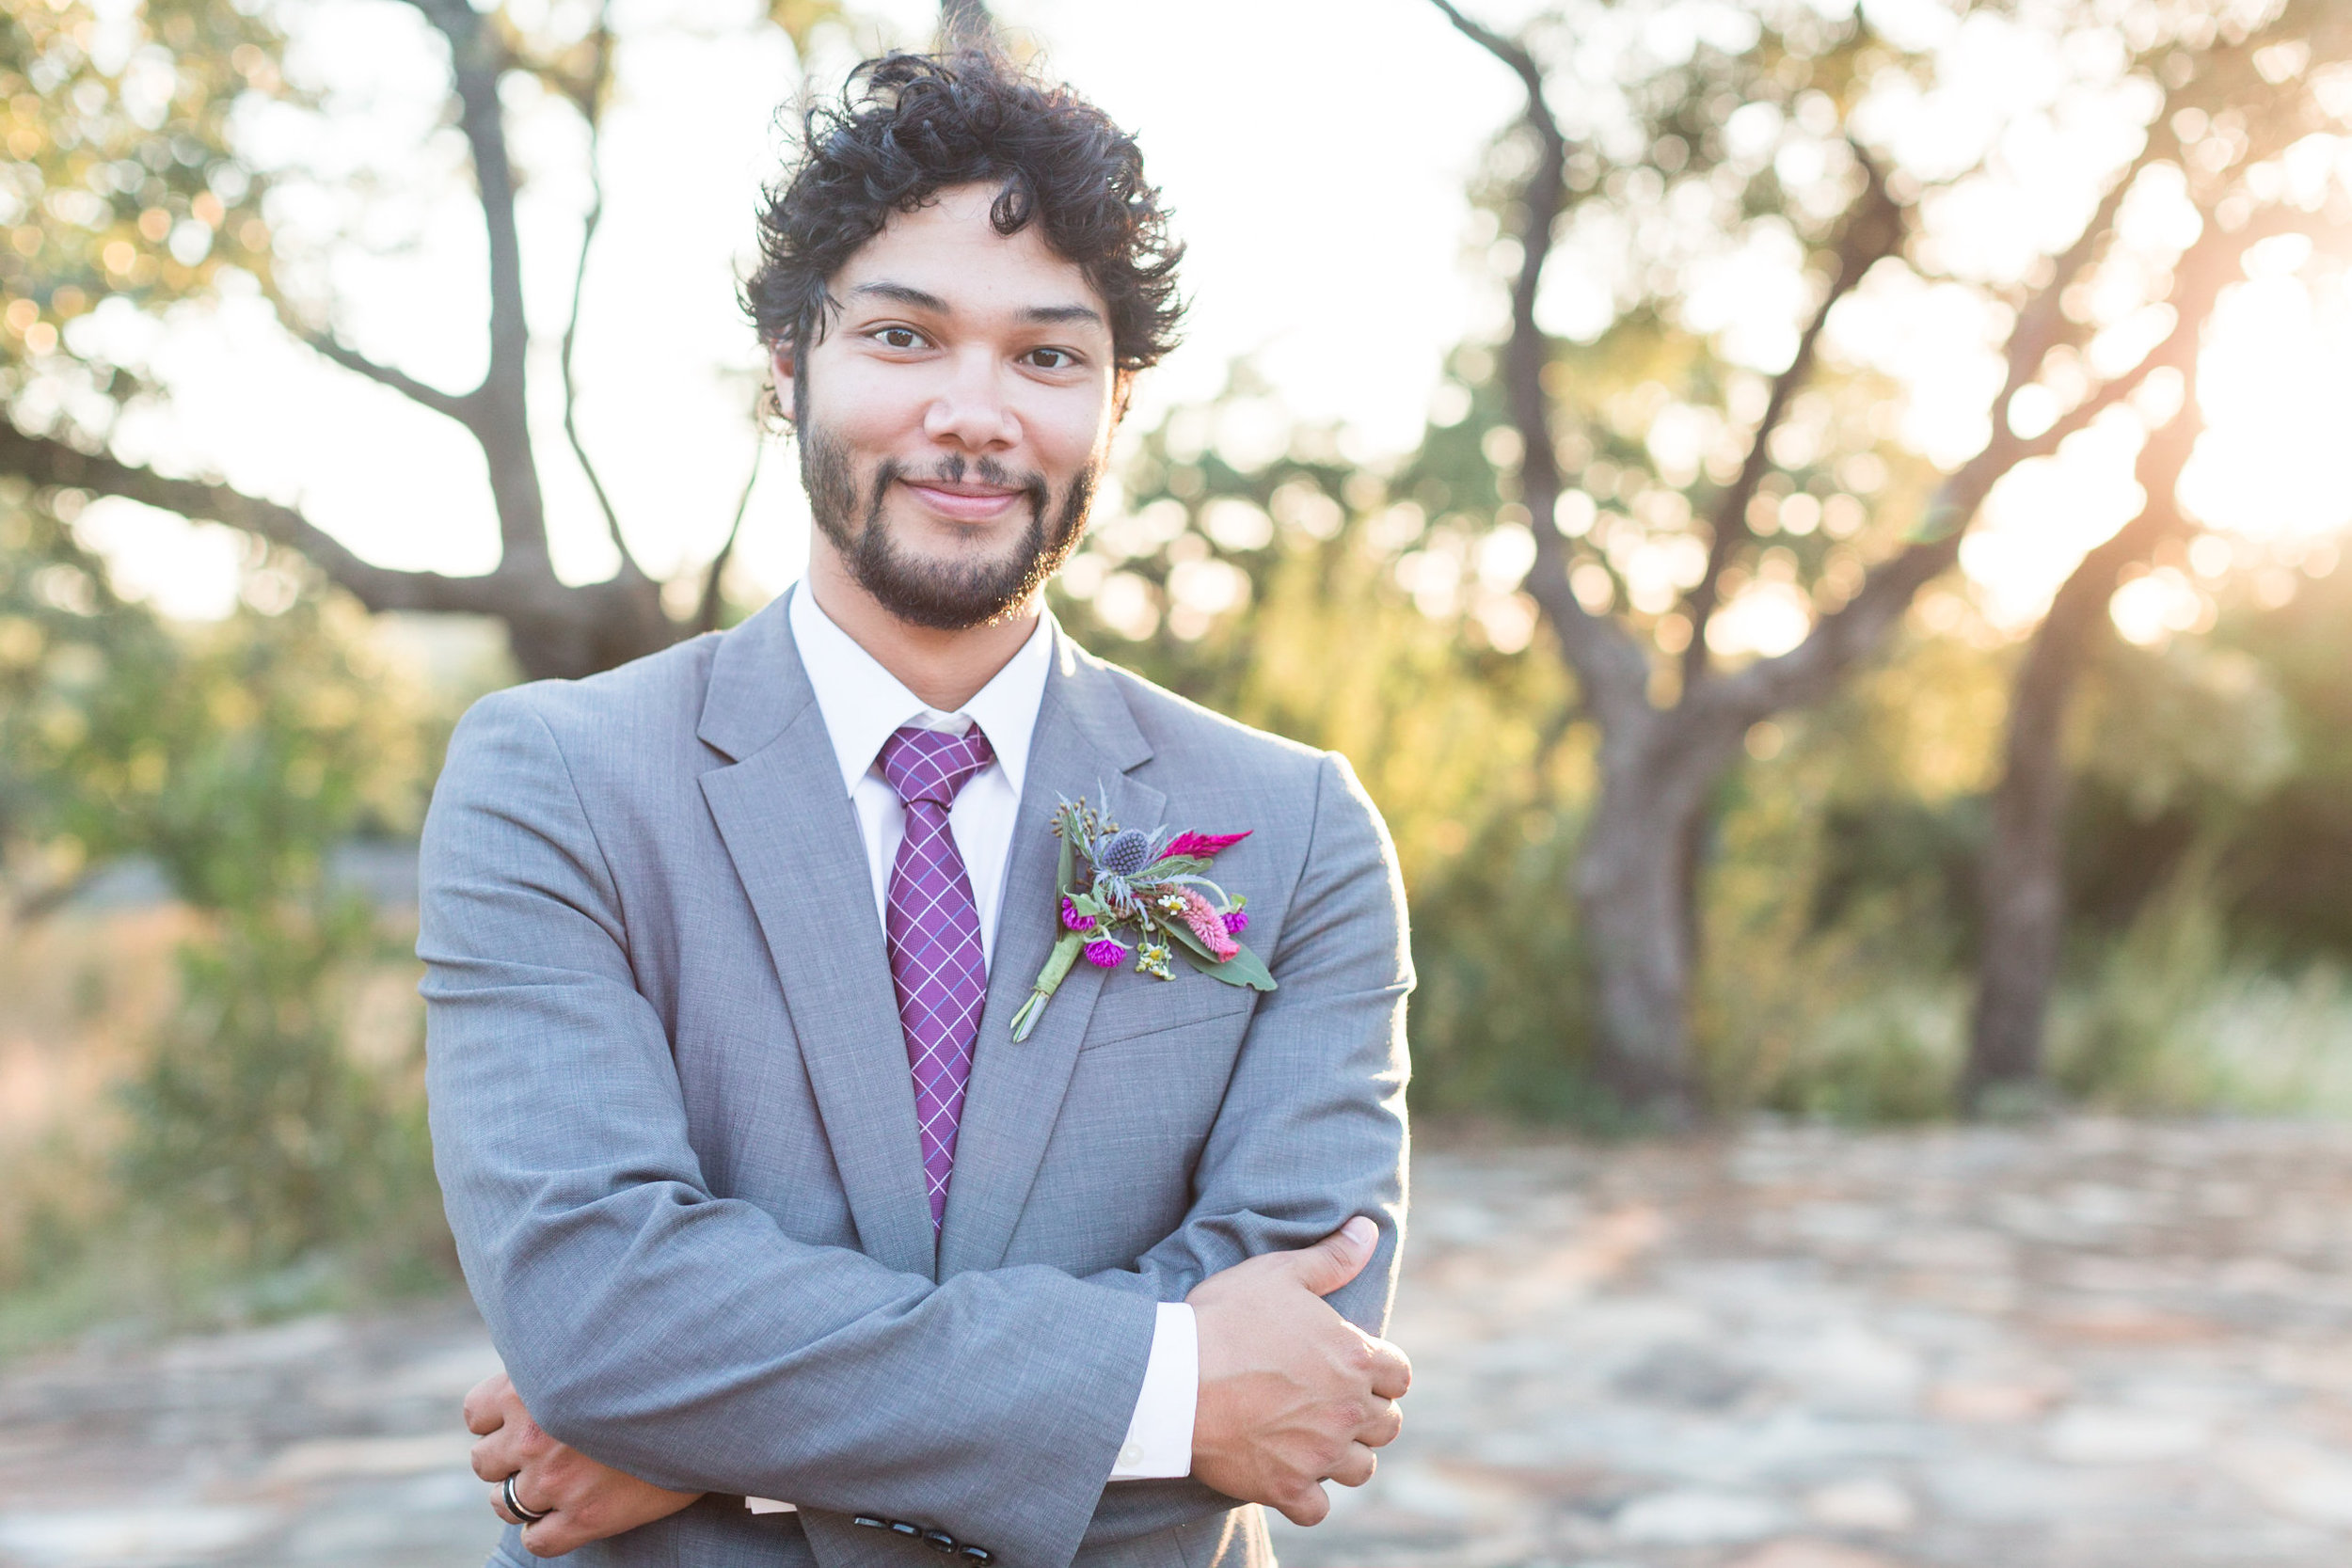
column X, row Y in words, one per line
column 1313, row 1128
column 680, row 1336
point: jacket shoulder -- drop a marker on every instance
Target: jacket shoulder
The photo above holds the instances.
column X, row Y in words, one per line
column 1181, row 730
column 659, row 694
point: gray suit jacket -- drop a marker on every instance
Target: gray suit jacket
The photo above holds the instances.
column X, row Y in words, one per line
column 676, row 1130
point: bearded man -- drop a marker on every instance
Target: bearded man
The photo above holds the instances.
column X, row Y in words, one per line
column 795, row 1249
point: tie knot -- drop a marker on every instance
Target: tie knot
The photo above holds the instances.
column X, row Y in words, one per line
column 933, row 765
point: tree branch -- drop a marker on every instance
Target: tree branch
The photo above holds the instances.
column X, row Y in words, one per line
column 2079, row 601
column 451, row 405
column 46, row 460
column 477, row 60
column 706, row 613
column 590, row 101
column 1850, row 633
column 1609, row 667
column 2042, row 323
column 1873, row 231
column 2020, row 882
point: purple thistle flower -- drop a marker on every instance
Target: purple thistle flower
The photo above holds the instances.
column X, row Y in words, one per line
column 1102, row 952
column 1236, row 922
column 1073, row 920
column 1124, row 854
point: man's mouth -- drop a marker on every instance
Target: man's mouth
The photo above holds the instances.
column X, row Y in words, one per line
column 963, row 501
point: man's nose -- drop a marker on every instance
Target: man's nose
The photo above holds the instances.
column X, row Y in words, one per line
column 972, row 409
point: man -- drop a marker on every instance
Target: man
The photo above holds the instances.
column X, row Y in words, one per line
column 793, row 1253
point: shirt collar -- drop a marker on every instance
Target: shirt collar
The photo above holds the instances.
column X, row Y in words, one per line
column 863, row 704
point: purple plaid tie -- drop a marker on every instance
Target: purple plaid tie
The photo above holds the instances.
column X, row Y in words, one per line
column 935, row 931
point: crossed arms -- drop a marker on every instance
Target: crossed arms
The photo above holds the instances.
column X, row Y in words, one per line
column 683, row 1339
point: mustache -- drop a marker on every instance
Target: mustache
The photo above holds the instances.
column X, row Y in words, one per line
column 955, row 469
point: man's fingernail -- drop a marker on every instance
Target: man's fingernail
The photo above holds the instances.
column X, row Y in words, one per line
column 1361, row 1231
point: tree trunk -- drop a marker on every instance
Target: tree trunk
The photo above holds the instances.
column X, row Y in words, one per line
column 1637, row 894
column 2023, row 867
column 589, row 628
column 1631, row 903
column 2024, row 891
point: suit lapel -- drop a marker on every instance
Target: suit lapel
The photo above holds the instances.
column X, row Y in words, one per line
column 1085, row 742
column 793, row 836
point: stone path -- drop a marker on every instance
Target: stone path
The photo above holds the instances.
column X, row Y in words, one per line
column 315, row 1441
column 2099, row 1345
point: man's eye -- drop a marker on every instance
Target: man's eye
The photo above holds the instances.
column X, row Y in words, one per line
column 1052, row 358
column 901, row 337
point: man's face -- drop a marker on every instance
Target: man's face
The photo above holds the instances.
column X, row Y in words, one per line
column 953, row 419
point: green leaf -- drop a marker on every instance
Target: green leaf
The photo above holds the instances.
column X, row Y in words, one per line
column 1210, row 967
column 1242, row 968
column 1250, row 969
column 1064, row 869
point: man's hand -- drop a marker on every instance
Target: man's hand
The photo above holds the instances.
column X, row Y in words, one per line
column 583, row 1501
column 1292, row 1393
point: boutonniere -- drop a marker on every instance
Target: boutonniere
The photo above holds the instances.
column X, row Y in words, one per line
column 1122, row 891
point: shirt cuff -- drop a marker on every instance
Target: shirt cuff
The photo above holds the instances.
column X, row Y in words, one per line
column 1159, row 1437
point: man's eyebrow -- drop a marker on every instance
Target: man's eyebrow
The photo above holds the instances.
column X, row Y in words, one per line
column 919, row 299
column 905, row 295
column 1048, row 314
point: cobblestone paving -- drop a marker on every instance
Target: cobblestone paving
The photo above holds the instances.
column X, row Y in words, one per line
column 2091, row 1346
column 2096, row 1346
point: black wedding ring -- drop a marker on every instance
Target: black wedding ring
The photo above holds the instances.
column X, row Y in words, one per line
column 514, row 1507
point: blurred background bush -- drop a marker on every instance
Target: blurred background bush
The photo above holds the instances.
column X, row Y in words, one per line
column 1624, row 519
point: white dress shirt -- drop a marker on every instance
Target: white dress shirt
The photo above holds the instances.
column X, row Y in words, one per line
column 863, row 704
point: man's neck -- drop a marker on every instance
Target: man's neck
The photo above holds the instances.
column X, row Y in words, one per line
column 946, row 668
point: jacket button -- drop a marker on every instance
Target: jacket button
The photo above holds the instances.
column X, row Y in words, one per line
column 978, row 1555
column 939, row 1540
column 869, row 1522
column 911, row 1531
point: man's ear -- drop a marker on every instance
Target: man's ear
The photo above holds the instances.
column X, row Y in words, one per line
column 784, row 369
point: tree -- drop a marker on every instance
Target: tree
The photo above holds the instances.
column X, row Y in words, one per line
column 2024, row 862
column 104, row 189
column 2214, row 95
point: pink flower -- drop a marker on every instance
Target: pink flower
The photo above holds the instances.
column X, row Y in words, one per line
column 1105, row 954
column 1073, row 920
column 1208, row 926
column 1203, row 846
column 1237, row 921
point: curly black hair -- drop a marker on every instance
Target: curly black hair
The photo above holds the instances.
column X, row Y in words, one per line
column 909, row 126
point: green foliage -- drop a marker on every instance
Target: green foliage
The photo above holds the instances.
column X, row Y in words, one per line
column 79, row 674
column 120, row 183
column 2177, row 1014
column 280, row 739
column 2290, row 856
column 236, row 757
column 1839, row 917
column 254, row 1124
column 1501, row 1022
column 1829, row 984
column 1316, row 635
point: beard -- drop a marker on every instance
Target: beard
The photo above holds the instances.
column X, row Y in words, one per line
column 945, row 595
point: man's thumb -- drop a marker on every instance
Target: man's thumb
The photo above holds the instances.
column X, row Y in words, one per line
column 1338, row 1257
